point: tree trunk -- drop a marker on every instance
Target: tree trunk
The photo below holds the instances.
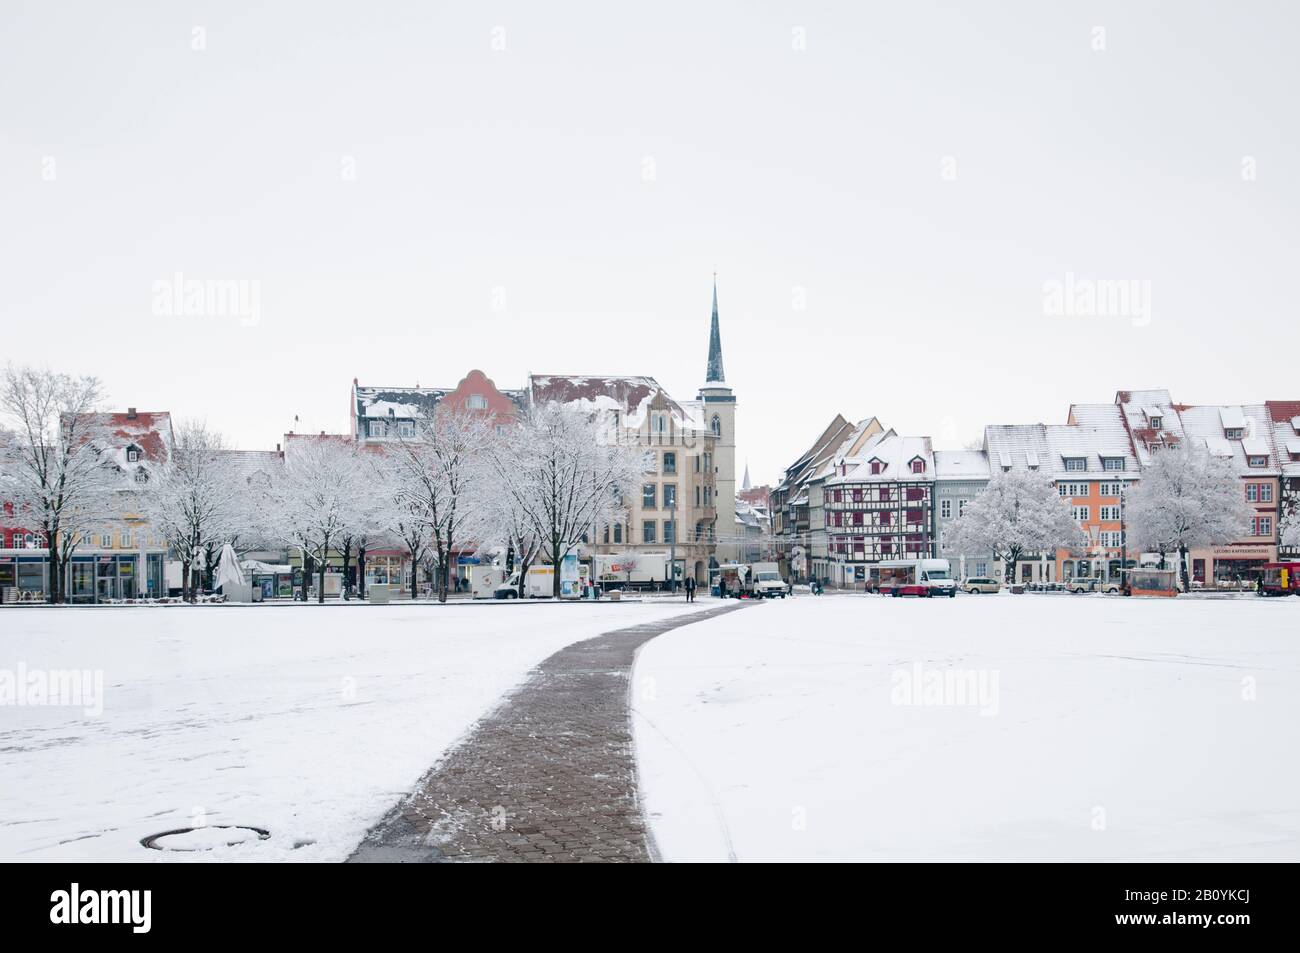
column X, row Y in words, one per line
column 56, row 571
column 415, row 575
column 185, row 580
column 361, row 571
column 347, row 559
column 523, row 576
column 1182, row 568
column 444, row 571
column 324, row 565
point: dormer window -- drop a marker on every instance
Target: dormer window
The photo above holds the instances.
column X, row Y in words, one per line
column 132, row 454
column 1076, row 463
column 877, row 467
column 1233, row 433
column 918, row 465
column 1156, row 422
column 1112, row 463
column 1256, row 461
column 659, row 422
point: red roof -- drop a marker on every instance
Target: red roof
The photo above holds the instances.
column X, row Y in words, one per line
column 1281, row 411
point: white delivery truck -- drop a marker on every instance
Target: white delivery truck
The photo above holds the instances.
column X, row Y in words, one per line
column 914, row 577
column 631, row 571
column 764, row 581
column 485, row 580
column 538, row 585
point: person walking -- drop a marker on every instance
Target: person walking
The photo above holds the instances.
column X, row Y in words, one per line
column 690, row 588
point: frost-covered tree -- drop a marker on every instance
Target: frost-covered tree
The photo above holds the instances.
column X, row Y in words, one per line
column 195, row 501
column 1017, row 514
column 570, row 478
column 312, row 502
column 53, row 477
column 503, row 517
column 441, row 472
column 1187, row 498
column 1289, row 531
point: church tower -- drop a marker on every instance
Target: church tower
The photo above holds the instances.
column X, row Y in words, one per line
column 720, row 417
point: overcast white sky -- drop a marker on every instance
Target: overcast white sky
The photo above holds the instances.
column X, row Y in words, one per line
column 415, row 203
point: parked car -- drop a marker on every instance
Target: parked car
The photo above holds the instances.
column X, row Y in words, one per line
column 1093, row 584
column 977, row 584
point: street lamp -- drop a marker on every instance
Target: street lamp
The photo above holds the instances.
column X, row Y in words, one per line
column 672, row 543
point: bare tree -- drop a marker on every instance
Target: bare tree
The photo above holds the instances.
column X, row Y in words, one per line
column 442, row 469
column 51, row 470
column 196, row 502
column 569, row 477
column 312, row 502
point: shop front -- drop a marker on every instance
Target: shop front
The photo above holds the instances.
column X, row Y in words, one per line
column 1230, row 567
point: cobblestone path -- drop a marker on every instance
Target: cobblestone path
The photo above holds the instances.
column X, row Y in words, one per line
column 550, row 776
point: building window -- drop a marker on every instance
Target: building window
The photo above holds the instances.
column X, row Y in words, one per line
column 606, row 536
column 105, row 540
column 476, row 402
column 876, row 467
column 1112, row 463
column 1076, row 463
column 132, row 455
column 1062, row 489
column 1257, row 461
column 961, row 506
column 378, row 428
column 501, row 430
column 670, row 531
column 1110, row 512
column 648, row 531
column 857, row 494
column 1080, row 513
column 618, row 532
column 918, row 466
column 406, row 428
column 1252, row 492
column 1266, row 492
column 1111, row 489
column 659, row 422
column 125, row 539
column 945, row 509
column 648, row 494
column 670, row 462
column 716, row 425
column 1261, row 526
column 670, row 495
column 1233, row 433
column 1156, row 422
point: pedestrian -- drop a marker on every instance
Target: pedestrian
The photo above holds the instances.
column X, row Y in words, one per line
column 690, row 588
column 722, row 587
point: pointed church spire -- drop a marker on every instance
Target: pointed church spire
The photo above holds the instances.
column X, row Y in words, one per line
column 715, row 342
column 744, row 485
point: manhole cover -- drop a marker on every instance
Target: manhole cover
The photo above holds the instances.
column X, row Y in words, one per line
column 204, row 838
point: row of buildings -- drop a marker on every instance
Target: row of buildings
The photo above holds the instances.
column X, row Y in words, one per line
column 687, row 504
column 862, row 493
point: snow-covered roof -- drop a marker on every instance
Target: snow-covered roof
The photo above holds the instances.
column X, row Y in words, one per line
column 895, row 453
column 249, row 463
column 961, row 465
column 1208, row 422
column 633, row 397
column 401, row 403
column 1046, row 447
column 1256, row 447
column 116, row 434
column 1232, row 418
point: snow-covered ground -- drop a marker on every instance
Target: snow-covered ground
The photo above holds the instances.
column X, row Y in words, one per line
column 1091, row 728
column 307, row 721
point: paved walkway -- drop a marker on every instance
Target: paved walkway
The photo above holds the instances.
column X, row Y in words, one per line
column 549, row 776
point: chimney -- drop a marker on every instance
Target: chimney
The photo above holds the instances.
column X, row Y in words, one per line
column 130, row 413
column 277, row 448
